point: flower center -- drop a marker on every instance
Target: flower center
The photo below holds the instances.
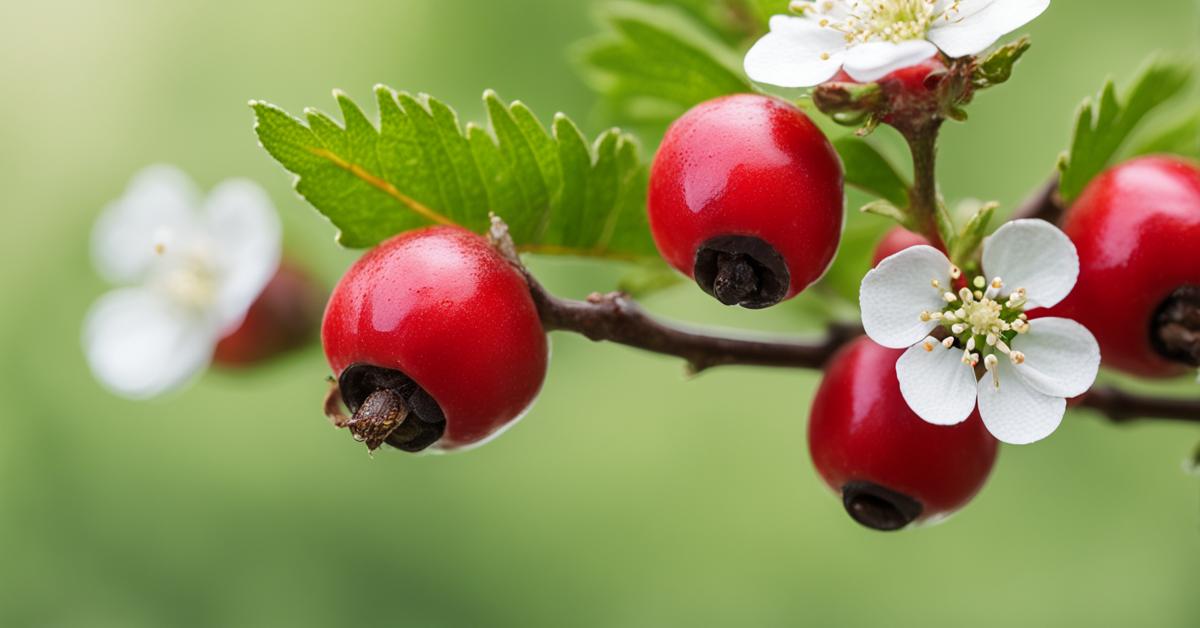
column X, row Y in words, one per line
column 862, row 21
column 981, row 321
column 189, row 279
column 192, row 285
column 984, row 316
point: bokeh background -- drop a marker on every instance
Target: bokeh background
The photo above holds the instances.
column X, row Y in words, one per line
column 630, row 495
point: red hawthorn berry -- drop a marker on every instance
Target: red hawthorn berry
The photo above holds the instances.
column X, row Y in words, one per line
column 1137, row 230
column 284, row 317
column 746, row 197
column 912, row 90
column 895, row 240
column 890, row 467
column 435, row 340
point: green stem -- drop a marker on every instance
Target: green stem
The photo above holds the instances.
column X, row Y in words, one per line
column 923, row 198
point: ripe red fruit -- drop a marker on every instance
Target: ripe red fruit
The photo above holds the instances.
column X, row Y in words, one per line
column 434, row 322
column 890, row 467
column 1137, row 230
column 895, row 240
column 912, row 90
column 917, row 79
column 284, row 317
column 746, row 197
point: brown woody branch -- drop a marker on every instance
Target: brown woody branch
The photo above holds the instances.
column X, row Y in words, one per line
column 1120, row 406
column 1043, row 203
column 616, row 318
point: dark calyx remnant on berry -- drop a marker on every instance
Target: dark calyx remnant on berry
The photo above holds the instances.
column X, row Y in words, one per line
column 742, row 270
column 1176, row 330
column 388, row 407
column 879, row 508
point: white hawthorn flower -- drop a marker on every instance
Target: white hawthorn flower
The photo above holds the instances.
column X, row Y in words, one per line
column 872, row 38
column 1030, row 366
column 190, row 268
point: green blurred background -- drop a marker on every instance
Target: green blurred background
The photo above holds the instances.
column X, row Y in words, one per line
column 623, row 499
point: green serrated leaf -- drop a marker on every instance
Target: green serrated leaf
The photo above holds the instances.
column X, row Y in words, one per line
column 558, row 193
column 1179, row 137
column 997, row 68
column 1105, row 123
column 867, row 169
column 657, row 61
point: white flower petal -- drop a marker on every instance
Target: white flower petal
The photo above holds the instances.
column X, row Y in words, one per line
column 140, row 345
column 1035, row 255
column 874, row 60
column 245, row 235
column 796, row 53
column 977, row 24
column 155, row 209
column 894, row 294
column 936, row 384
column 1015, row 413
column 1061, row 357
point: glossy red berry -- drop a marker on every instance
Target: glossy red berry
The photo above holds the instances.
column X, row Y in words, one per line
column 895, row 240
column 918, row 79
column 746, row 197
column 890, row 467
column 286, row 316
column 437, row 323
column 912, row 91
column 1137, row 230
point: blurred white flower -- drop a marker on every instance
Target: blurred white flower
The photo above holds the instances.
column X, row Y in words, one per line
column 1031, row 366
column 190, row 268
column 872, row 38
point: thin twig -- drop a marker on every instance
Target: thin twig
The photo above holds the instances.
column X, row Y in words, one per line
column 1044, row 203
column 922, row 142
column 1120, row 406
column 614, row 317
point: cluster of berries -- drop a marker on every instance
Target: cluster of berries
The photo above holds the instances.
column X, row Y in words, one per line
column 437, row 343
